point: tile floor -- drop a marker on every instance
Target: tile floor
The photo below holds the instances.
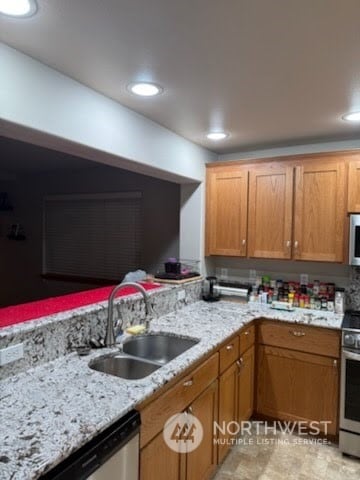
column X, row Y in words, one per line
column 286, row 459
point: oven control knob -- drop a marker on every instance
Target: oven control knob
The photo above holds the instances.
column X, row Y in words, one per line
column 349, row 340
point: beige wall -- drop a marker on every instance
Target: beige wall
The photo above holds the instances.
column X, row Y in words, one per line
column 21, row 262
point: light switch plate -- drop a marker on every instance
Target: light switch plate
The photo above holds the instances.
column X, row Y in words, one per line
column 224, row 273
column 181, row 295
column 11, row 354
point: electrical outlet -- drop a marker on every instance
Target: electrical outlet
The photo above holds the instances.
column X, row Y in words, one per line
column 11, row 354
column 181, row 295
column 224, row 273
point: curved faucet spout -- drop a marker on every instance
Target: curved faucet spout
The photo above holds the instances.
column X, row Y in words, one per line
column 110, row 330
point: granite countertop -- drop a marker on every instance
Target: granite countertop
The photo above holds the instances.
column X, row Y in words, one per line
column 50, row 411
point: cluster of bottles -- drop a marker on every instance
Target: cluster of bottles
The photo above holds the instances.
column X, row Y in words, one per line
column 316, row 295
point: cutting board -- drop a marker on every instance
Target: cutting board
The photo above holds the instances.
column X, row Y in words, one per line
column 177, row 282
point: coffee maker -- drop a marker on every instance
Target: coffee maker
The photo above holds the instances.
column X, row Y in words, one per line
column 211, row 291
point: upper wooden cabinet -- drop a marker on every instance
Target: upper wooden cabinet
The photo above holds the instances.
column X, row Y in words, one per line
column 270, row 211
column 354, row 187
column 226, row 215
column 288, row 209
column 319, row 211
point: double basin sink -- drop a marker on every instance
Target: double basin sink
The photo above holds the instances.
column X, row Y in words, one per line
column 142, row 355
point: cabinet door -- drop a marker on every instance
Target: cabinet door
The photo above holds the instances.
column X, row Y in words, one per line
column 319, row 211
column 158, row 461
column 270, row 211
column 227, row 407
column 226, row 215
column 354, row 187
column 297, row 386
column 201, row 462
column 246, row 385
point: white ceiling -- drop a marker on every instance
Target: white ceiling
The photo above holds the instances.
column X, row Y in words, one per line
column 270, row 72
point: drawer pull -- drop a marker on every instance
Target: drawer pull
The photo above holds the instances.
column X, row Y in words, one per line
column 230, row 347
column 335, row 363
column 297, row 334
column 247, row 333
column 188, row 383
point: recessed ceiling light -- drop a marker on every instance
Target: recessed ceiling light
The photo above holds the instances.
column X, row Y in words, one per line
column 145, row 89
column 352, row 117
column 217, row 136
column 18, row 8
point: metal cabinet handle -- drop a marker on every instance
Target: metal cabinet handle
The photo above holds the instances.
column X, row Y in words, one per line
column 244, row 242
column 335, row 363
column 297, row 334
column 296, row 244
column 230, row 347
column 288, row 244
column 188, row 383
column 247, row 333
column 239, row 363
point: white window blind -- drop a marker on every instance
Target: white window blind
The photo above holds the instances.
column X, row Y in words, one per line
column 94, row 236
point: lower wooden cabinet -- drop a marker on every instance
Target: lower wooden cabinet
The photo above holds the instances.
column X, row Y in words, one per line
column 236, row 397
column 158, row 461
column 246, row 385
column 297, row 386
column 201, row 462
column 228, row 388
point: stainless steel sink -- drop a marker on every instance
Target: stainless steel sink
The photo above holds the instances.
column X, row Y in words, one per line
column 124, row 366
column 159, row 348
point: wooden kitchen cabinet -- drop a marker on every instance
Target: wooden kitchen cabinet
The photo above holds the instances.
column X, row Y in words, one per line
column 196, row 393
column 246, row 385
column 201, row 462
column 158, row 461
column 270, row 211
column 319, row 213
column 228, row 399
column 297, row 386
column 226, row 211
column 353, row 204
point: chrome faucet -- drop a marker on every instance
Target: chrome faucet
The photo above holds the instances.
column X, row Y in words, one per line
column 110, row 339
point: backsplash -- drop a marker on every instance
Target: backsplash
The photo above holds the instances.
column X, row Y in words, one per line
column 57, row 335
column 353, row 289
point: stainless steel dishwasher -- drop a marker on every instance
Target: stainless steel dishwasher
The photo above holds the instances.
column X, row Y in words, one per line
column 112, row 455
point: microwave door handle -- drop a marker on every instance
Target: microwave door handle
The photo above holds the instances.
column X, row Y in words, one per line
column 351, row 355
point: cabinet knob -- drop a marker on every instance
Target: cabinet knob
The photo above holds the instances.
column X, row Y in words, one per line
column 288, row 244
column 188, row 383
column 229, row 347
column 247, row 333
column 335, row 363
column 244, row 242
column 296, row 244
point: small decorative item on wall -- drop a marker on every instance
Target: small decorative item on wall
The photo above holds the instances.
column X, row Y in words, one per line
column 17, row 232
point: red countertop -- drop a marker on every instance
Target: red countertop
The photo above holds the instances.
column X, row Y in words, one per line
column 49, row 306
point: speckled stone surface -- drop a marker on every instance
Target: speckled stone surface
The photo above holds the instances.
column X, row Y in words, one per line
column 57, row 335
column 49, row 411
column 353, row 290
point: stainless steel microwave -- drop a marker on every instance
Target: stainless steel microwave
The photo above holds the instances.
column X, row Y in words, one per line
column 354, row 240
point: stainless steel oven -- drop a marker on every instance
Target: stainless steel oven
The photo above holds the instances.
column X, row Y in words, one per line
column 349, row 438
column 354, row 240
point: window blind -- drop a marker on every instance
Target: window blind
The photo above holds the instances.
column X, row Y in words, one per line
column 92, row 236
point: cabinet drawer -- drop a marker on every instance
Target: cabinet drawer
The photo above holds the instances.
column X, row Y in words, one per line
column 247, row 338
column 175, row 400
column 303, row 338
column 229, row 353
